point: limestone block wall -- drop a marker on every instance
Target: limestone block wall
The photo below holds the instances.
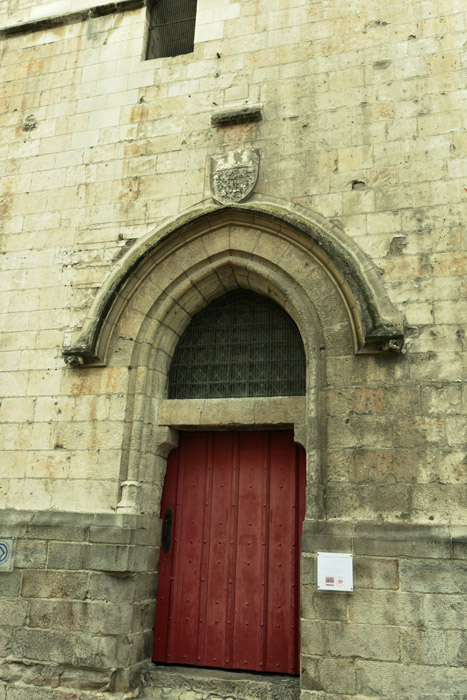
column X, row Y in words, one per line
column 363, row 122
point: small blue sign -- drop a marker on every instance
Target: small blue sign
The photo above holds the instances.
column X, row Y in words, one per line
column 7, row 553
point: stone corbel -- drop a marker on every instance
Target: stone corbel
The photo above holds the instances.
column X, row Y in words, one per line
column 386, row 339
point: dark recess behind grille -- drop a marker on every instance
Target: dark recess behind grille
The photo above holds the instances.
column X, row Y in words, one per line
column 172, row 28
column 242, row 344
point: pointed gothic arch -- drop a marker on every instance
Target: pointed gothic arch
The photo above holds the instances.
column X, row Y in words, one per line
column 376, row 325
column 310, row 269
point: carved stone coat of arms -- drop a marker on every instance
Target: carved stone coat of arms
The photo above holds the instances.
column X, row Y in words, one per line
column 234, row 175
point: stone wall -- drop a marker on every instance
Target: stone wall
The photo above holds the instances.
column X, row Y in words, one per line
column 401, row 633
column 105, row 156
column 362, row 124
column 78, row 609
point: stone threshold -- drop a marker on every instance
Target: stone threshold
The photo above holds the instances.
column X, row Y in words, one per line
column 192, row 683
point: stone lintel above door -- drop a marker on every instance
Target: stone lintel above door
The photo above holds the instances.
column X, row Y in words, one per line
column 270, row 412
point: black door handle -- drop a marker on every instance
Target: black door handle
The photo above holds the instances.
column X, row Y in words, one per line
column 167, row 531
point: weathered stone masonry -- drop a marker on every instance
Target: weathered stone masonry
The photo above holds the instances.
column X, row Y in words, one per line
column 112, row 239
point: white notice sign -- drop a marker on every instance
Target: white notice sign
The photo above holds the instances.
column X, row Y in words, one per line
column 335, row 571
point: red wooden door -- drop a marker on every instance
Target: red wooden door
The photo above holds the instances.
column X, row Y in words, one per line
column 228, row 593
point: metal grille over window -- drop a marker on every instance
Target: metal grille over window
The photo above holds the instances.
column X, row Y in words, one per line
column 242, row 344
column 172, row 28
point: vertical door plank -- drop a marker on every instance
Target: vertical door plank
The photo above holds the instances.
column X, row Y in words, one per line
column 164, row 588
column 184, row 613
column 216, row 629
column 282, row 557
column 248, row 633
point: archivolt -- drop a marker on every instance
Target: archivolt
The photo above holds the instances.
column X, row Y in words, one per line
column 295, row 237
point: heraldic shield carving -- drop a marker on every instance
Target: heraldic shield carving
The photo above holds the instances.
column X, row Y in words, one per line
column 234, row 175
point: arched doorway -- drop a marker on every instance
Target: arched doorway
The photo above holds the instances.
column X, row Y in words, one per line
column 330, row 290
column 233, row 502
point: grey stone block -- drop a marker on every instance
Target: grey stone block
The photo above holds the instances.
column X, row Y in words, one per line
column 376, row 573
column 114, row 588
column 68, row 555
column 54, row 584
column 107, row 557
column 403, row 548
column 410, row 681
column 459, row 542
column 456, row 647
column 145, row 586
column 77, row 616
column 97, row 557
column 434, row 576
column 390, row 540
column 363, row 641
column 312, row 637
column 30, row 554
column 323, row 605
column 318, row 695
column 137, row 647
column 309, row 677
column 446, row 611
column 308, row 570
column 337, row 675
column 459, row 550
column 386, row 608
column 87, row 679
column 43, row 645
column 80, row 649
column 312, row 543
column 423, row 647
column 123, row 651
column 330, row 607
column 148, row 559
column 6, row 634
column 10, row 583
column 111, row 535
column 321, row 678
column 150, row 535
column 11, row 671
column 64, row 526
column 145, row 619
column 15, row 523
column 325, row 528
column 97, row 652
column 116, row 520
column 237, row 115
column 13, row 613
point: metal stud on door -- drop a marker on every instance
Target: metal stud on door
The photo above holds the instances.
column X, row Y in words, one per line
column 229, row 577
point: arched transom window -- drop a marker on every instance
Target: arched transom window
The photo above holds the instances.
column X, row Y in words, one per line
column 242, row 344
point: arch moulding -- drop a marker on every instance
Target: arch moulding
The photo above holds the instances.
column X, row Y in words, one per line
column 376, row 325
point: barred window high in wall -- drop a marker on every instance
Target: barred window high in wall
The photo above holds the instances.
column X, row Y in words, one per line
column 171, row 28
